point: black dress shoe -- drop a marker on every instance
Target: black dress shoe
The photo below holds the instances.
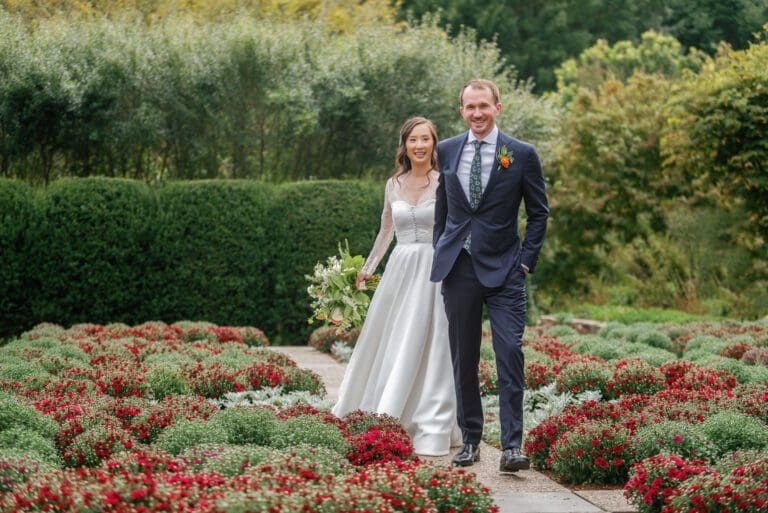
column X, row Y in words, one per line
column 513, row 460
column 467, row 456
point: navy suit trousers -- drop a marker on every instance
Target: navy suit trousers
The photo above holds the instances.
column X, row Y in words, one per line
column 464, row 297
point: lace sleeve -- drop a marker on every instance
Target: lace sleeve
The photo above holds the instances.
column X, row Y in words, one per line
column 386, row 233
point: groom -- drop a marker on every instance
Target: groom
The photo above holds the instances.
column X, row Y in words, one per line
column 484, row 175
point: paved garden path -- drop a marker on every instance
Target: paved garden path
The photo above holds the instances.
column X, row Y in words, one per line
column 524, row 492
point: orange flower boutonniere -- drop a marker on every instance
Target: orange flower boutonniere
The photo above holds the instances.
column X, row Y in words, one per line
column 504, row 157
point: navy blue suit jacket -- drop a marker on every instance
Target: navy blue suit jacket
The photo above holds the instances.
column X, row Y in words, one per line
column 496, row 245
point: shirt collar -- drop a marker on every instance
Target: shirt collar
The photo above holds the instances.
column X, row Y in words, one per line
column 488, row 139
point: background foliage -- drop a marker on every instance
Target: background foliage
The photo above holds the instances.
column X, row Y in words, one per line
column 653, row 142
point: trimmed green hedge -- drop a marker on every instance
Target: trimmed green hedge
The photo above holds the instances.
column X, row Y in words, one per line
column 229, row 252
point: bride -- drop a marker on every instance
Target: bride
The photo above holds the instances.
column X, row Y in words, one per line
column 401, row 365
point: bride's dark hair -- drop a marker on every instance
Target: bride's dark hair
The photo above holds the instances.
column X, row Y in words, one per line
column 402, row 162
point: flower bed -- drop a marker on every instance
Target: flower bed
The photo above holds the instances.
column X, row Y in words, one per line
column 676, row 399
column 119, row 418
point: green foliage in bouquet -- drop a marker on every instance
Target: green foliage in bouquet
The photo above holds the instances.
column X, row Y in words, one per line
column 335, row 299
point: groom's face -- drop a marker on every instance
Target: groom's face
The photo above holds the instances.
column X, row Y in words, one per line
column 479, row 110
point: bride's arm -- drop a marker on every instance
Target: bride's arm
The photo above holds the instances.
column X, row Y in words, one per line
column 383, row 239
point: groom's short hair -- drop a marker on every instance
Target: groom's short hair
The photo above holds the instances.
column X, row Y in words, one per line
column 480, row 83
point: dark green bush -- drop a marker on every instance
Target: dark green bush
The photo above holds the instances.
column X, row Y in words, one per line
column 89, row 251
column 16, row 214
column 208, row 257
column 307, row 222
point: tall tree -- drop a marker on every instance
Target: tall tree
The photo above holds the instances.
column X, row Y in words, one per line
column 536, row 36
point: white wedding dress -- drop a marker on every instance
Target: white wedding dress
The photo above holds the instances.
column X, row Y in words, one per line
column 401, row 364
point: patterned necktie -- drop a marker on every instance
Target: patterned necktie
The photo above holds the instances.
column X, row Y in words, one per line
column 475, row 186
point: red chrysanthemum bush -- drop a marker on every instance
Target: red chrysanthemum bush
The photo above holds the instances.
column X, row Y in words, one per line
column 654, row 480
column 148, row 425
column 743, row 489
column 736, row 350
column 581, row 376
column 540, row 373
column 324, row 338
column 593, row 452
column 375, row 437
column 540, row 439
column 634, row 376
column 488, row 377
column 756, row 356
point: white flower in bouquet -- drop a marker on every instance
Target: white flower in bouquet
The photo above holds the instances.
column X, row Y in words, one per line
column 335, row 299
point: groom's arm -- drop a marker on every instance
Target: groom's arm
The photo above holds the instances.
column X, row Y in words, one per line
column 536, row 209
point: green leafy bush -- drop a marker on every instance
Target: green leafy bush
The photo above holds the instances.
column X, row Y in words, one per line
column 32, row 441
column 684, row 439
column 245, row 425
column 165, row 380
column 228, row 460
column 311, row 430
column 730, row 431
column 188, row 433
column 14, row 414
column 17, row 466
column 599, row 346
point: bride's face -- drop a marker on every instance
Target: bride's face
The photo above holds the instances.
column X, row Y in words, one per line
column 419, row 146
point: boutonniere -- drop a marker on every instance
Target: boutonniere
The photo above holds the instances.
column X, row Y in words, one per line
column 504, row 157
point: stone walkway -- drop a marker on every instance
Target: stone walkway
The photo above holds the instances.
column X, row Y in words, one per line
column 524, row 492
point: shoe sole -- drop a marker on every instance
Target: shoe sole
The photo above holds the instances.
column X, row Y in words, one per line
column 514, row 467
column 466, row 463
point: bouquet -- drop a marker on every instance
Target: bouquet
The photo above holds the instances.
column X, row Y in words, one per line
column 335, row 299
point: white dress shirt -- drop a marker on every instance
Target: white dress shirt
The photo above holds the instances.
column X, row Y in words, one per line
column 487, row 159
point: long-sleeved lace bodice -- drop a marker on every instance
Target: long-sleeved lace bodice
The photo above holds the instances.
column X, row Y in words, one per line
column 408, row 214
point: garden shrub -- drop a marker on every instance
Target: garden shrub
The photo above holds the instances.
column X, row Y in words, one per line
column 599, row 346
column 743, row 489
column 560, row 330
column 708, row 343
column 90, row 248
column 246, row 425
column 653, row 480
column 582, row 376
column 18, row 214
column 165, row 380
column 655, row 338
column 731, row 431
column 756, row 356
column 614, row 330
column 324, row 338
column 96, row 443
column 17, row 466
column 14, row 414
column 593, row 452
column 734, row 460
column 651, row 355
column 185, row 434
column 308, row 429
column 228, row 460
column 634, row 376
column 31, row 441
column 306, row 380
column 681, row 438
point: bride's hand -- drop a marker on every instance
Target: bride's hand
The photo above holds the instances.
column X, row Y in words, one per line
column 360, row 281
